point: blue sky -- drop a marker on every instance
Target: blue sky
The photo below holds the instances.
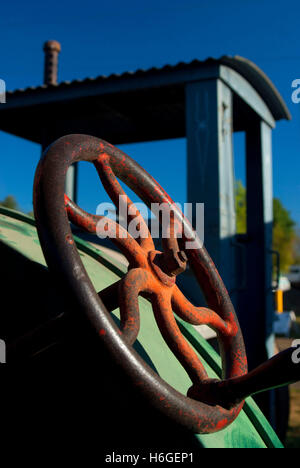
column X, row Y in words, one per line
column 105, row 37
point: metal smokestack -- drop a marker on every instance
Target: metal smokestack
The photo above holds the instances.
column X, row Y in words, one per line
column 51, row 49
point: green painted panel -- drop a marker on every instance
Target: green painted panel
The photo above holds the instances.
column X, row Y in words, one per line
column 250, row 430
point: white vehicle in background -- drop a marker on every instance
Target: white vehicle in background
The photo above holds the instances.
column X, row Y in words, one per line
column 284, row 283
column 294, row 275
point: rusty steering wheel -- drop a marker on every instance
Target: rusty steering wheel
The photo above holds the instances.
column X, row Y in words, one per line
column 209, row 405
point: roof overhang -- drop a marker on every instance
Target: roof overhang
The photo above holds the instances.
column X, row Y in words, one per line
column 137, row 106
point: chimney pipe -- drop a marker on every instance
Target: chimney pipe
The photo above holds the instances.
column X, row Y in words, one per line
column 51, row 49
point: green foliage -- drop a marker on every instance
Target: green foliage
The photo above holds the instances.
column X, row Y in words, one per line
column 297, row 247
column 285, row 239
column 10, row 202
column 241, row 208
column 283, row 234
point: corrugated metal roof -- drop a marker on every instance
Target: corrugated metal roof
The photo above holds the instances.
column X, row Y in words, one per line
column 114, row 76
column 253, row 74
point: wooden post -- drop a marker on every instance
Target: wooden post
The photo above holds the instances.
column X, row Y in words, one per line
column 255, row 302
column 210, row 170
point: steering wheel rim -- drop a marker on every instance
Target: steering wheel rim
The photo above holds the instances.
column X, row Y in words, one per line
column 62, row 257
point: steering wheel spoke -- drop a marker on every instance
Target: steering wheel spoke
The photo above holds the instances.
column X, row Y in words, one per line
column 131, row 286
column 104, row 226
column 122, row 201
column 173, row 337
column 199, row 315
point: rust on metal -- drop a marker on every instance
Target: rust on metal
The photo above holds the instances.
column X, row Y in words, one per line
column 151, row 274
column 51, row 49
